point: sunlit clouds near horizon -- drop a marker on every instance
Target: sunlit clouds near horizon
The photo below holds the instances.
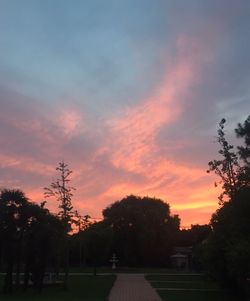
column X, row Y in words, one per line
column 128, row 93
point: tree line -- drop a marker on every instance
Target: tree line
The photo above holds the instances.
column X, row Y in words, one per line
column 32, row 238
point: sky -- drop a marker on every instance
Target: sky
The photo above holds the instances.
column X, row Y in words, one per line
column 128, row 93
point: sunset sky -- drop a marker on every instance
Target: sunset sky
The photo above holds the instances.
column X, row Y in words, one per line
column 129, row 93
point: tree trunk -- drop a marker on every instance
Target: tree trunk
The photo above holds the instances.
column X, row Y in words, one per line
column 66, row 265
column 8, row 281
column 19, row 258
column 80, row 254
column 26, row 275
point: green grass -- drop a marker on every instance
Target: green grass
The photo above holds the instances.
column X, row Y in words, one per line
column 122, row 270
column 187, row 285
column 177, row 277
column 196, row 296
column 87, row 288
column 209, row 290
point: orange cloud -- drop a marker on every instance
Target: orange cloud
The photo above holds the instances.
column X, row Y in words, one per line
column 128, row 159
column 133, row 145
column 134, row 133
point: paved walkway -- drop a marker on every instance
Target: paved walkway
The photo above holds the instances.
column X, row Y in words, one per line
column 132, row 287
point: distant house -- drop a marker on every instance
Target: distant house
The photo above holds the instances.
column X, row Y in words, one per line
column 181, row 259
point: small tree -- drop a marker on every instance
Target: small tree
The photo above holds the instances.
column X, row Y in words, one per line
column 82, row 223
column 227, row 168
column 62, row 191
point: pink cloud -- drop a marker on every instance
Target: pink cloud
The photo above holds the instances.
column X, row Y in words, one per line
column 134, row 133
column 133, row 146
column 125, row 157
column 26, row 164
column 70, row 121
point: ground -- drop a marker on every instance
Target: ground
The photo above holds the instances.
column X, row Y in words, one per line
column 188, row 288
column 169, row 286
column 88, row 288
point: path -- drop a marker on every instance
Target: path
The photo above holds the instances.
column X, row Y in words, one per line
column 132, row 287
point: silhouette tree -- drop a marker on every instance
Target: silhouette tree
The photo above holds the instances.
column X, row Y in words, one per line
column 226, row 168
column 243, row 131
column 194, row 236
column 62, row 192
column 12, row 225
column 28, row 233
column 82, row 223
column 144, row 231
column 43, row 237
column 98, row 240
column 227, row 252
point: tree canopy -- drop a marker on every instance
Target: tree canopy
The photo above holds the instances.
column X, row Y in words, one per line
column 228, row 249
column 144, row 230
column 28, row 238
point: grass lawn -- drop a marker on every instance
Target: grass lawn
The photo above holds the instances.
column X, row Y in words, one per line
column 209, row 290
column 178, row 277
column 196, row 296
column 186, row 285
column 119, row 269
column 87, row 288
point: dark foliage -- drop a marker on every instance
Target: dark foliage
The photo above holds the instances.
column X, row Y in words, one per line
column 144, row 232
column 194, row 236
column 228, row 248
column 62, row 192
column 28, row 235
column 227, row 252
column 227, row 168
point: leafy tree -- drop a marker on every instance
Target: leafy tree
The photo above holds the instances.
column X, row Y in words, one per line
column 82, row 223
column 194, row 236
column 228, row 247
column 98, row 241
column 243, row 131
column 227, row 252
column 43, row 238
column 63, row 192
column 12, row 225
column 144, row 230
column 226, row 168
column 29, row 234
